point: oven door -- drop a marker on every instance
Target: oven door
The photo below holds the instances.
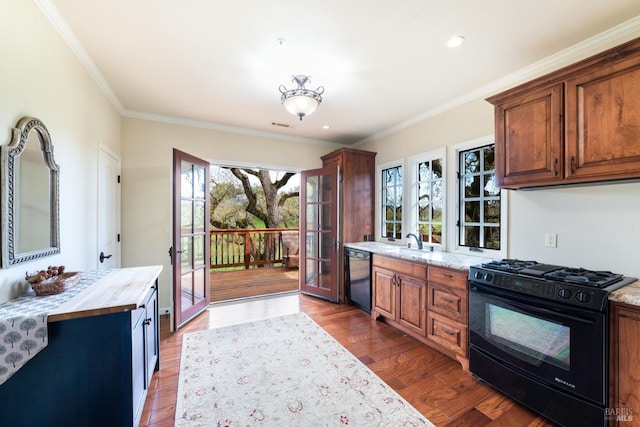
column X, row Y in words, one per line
column 558, row 345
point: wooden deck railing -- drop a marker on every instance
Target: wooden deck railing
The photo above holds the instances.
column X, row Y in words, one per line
column 248, row 248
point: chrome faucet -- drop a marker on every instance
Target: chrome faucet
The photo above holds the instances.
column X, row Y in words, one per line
column 418, row 240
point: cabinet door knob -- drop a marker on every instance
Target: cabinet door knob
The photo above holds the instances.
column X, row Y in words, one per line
column 147, row 321
column 555, row 167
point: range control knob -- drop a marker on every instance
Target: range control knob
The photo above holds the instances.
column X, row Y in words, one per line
column 488, row 277
column 583, row 297
column 478, row 275
column 564, row 293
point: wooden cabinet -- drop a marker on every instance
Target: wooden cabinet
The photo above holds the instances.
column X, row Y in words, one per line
column 399, row 293
column 579, row 124
column 529, row 138
column 603, row 122
column 430, row 303
column 357, row 191
column 625, row 365
column 447, row 311
column 356, row 214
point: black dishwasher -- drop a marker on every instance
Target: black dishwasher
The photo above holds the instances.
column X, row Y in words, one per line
column 358, row 278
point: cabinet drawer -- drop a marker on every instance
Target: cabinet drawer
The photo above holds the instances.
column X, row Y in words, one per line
column 403, row 267
column 450, row 302
column 449, row 277
column 447, row 333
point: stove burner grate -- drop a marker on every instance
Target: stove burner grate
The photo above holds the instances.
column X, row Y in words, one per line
column 511, row 265
column 580, row 276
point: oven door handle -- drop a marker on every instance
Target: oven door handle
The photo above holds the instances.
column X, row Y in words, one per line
column 533, row 306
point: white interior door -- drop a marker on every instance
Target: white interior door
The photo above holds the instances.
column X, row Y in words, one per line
column 108, row 253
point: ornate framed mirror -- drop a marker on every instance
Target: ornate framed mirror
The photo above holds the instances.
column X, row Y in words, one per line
column 30, row 222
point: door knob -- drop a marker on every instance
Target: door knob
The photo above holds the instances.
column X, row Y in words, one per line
column 103, row 257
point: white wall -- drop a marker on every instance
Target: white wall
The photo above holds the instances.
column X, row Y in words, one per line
column 147, row 148
column 598, row 226
column 40, row 77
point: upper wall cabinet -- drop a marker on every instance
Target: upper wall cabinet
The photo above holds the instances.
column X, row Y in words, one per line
column 579, row 124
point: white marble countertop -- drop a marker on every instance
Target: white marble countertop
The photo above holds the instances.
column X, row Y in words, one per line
column 629, row 294
column 442, row 259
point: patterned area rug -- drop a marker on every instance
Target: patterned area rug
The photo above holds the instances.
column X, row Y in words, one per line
column 284, row 371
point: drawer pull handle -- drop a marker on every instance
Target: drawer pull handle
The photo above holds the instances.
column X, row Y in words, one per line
column 573, row 165
column 448, row 300
column 448, row 331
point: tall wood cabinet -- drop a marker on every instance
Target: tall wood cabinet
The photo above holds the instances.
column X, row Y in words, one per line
column 576, row 125
column 357, row 197
column 625, row 365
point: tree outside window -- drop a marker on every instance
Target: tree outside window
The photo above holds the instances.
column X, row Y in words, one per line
column 479, row 199
column 430, row 200
column 392, row 202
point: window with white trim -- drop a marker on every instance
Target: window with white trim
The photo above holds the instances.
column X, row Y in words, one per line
column 479, row 222
column 391, row 209
column 428, row 201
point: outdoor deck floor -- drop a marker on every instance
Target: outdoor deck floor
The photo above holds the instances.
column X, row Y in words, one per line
column 230, row 285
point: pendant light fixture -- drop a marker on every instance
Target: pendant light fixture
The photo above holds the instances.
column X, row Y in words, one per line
column 301, row 101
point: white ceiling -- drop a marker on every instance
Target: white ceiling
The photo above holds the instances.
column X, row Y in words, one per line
column 384, row 64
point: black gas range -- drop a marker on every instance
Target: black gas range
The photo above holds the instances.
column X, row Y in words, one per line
column 539, row 333
column 580, row 287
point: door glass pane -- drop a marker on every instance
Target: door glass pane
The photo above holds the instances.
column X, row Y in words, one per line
column 186, row 244
column 312, row 217
column 186, row 293
column 199, row 217
column 312, row 272
column 186, row 217
column 325, row 223
column 198, row 250
column 312, row 245
column 312, row 189
column 325, row 249
column 199, row 185
column 327, row 190
column 324, row 278
column 199, row 283
column 187, row 180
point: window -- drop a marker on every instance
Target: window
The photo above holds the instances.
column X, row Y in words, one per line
column 391, row 212
column 479, row 222
column 428, row 197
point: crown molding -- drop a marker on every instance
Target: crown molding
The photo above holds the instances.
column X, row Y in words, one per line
column 591, row 46
column 61, row 26
column 223, row 128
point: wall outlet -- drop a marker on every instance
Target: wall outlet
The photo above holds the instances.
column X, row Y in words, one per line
column 551, row 240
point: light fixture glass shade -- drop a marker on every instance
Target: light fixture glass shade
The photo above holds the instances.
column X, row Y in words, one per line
column 301, row 101
column 300, row 105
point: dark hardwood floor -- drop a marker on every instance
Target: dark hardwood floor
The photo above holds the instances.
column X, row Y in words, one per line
column 434, row 384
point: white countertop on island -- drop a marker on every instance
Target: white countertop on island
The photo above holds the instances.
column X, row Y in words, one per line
column 442, row 259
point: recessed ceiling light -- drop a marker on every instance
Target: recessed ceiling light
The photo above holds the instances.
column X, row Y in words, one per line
column 455, row 41
column 281, row 41
column 326, row 127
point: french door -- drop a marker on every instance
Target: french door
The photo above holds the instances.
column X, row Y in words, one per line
column 319, row 226
column 191, row 240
